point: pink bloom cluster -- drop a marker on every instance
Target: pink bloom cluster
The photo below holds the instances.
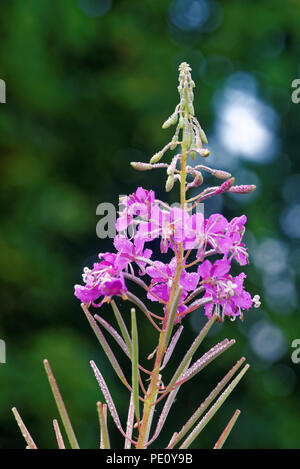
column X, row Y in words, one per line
column 203, row 283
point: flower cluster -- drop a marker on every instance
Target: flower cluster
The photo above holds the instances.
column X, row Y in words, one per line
column 202, row 282
column 188, row 237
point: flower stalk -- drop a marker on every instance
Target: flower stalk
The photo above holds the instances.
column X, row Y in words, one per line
column 197, row 278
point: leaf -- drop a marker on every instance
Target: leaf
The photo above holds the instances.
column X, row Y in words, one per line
column 189, row 355
column 171, row 347
column 107, row 397
column 203, row 361
column 206, row 403
column 58, row 435
column 165, row 411
column 109, row 353
column 122, row 325
column 27, row 437
column 129, row 427
column 61, row 407
column 113, row 333
column 208, row 416
column 104, row 437
column 227, row 430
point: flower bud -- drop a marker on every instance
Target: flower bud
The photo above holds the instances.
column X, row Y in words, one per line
column 171, row 121
column 225, row 186
column 141, row 166
column 198, row 180
column 170, row 183
column 203, row 136
column 244, row 189
column 203, row 152
column 155, row 158
column 170, row 170
column 174, row 142
column 221, row 174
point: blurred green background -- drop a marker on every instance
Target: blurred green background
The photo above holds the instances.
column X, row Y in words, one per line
column 89, row 83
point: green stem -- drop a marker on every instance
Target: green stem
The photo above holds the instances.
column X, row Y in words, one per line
column 162, row 343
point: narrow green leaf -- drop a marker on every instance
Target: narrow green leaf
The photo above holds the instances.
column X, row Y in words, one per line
column 122, row 325
column 26, row 435
column 113, row 333
column 189, row 354
column 59, row 438
column 171, row 347
column 61, row 407
column 129, row 427
column 107, row 397
column 165, row 411
column 109, row 353
column 104, row 437
column 134, row 362
column 207, row 402
column 208, row 416
column 203, row 361
column 227, row 430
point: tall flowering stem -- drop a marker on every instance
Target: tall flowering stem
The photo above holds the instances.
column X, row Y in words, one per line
column 197, row 278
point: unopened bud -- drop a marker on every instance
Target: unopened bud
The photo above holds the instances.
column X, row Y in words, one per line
column 193, row 155
column 203, row 136
column 141, row 166
column 171, row 121
column 244, row 189
column 170, row 170
column 170, row 183
column 221, row 174
column 174, row 142
column 198, row 180
column 203, row 152
column 225, row 186
column 155, row 158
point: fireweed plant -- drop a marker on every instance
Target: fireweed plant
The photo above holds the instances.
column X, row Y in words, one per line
column 197, row 277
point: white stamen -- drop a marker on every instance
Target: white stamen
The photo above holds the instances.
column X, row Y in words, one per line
column 256, row 301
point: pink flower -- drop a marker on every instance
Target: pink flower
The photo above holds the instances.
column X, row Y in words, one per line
column 137, row 204
column 103, row 280
column 162, row 278
column 170, row 226
column 227, row 292
column 129, row 252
